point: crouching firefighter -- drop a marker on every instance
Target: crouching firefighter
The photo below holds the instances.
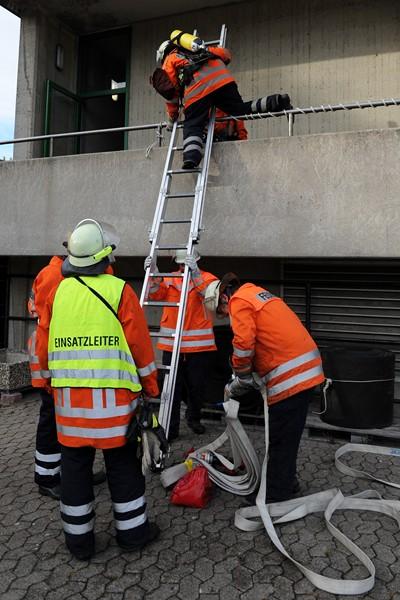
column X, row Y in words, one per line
column 93, row 338
column 198, row 77
column 270, row 340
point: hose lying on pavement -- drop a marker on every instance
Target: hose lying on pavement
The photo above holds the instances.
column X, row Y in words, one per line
column 267, row 515
column 243, row 455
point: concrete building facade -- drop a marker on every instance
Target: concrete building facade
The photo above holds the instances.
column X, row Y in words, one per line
column 314, row 215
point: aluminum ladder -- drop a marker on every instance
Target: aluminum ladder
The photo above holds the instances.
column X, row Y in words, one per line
column 192, row 223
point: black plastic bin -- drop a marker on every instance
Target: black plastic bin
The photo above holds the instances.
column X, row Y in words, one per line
column 362, row 390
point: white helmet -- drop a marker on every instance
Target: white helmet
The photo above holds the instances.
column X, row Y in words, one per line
column 211, row 296
column 90, row 242
column 180, row 256
column 160, row 54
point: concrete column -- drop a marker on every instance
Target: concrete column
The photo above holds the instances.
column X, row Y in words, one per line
column 26, row 87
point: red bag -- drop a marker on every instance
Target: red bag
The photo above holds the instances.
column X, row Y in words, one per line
column 193, row 489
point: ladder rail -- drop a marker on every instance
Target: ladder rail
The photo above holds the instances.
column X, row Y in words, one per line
column 167, row 394
column 155, row 232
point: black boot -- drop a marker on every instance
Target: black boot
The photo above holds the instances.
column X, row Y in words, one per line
column 51, row 492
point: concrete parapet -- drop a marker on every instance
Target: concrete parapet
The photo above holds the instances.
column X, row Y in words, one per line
column 326, row 195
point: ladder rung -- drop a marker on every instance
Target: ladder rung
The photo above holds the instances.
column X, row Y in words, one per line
column 179, row 148
column 213, row 43
column 172, row 221
column 175, row 247
column 169, row 275
column 159, row 334
column 183, row 195
column 182, row 171
column 164, row 367
column 160, row 303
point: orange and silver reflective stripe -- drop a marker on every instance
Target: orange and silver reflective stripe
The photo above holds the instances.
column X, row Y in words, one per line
column 90, row 432
column 295, row 380
column 292, row 364
column 242, row 353
column 64, row 409
column 147, row 369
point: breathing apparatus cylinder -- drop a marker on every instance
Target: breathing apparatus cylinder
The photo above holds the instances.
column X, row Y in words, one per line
column 187, row 41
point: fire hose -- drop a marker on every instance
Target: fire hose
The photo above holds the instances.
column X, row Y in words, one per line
column 266, row 516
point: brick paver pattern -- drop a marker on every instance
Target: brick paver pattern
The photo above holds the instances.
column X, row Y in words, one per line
column 200, row 554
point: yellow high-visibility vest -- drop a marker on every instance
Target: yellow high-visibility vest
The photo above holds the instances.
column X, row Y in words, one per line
column 87, row 345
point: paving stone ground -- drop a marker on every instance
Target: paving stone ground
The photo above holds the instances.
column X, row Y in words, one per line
column 199, row 554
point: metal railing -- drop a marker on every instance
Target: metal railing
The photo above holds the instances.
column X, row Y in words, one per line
column 158, row 127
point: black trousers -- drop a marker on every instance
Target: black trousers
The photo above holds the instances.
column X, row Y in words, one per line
column 193, row 369
column 48, row 452
column 228, row 99
column 286, row 424
column 127, row 487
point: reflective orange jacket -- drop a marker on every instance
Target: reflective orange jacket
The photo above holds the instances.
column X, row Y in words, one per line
column 233, row 129
column 271, row 340
column 198, row 333
column 44, row 283
column 210, row 76
column 46, row 280
column 99, row 417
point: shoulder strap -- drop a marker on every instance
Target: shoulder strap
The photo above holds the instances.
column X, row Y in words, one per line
column 99, row 296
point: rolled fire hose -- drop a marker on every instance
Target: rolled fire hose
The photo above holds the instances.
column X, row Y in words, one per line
column 267, row 515
column 243, row 455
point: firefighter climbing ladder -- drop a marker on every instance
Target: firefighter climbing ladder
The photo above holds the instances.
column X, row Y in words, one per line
column 194, row 223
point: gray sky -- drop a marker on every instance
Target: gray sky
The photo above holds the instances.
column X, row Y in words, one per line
column 9, row 40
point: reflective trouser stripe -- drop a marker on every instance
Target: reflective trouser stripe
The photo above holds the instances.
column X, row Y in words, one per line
column 47, row 457
column 295, row 380
column 130, row 510
column 43, row 471
column 78, row 529
column 88, row 432
column 51, row 464
column 76, row 511
column 82, row 512
column 131, row 523
column 192, row 138
column 292, row 364
column 192, row 147
column 131, row 505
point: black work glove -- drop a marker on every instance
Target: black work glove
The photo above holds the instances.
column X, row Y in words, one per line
column 278, row 102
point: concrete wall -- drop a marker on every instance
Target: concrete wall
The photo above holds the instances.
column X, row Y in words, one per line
column 318, row 195
column 319, row 51
column 38, row 40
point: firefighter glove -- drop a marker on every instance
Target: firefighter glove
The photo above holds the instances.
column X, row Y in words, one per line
column 191, row 262
column 240, row 386
column 170, row 124
column 153, row 439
